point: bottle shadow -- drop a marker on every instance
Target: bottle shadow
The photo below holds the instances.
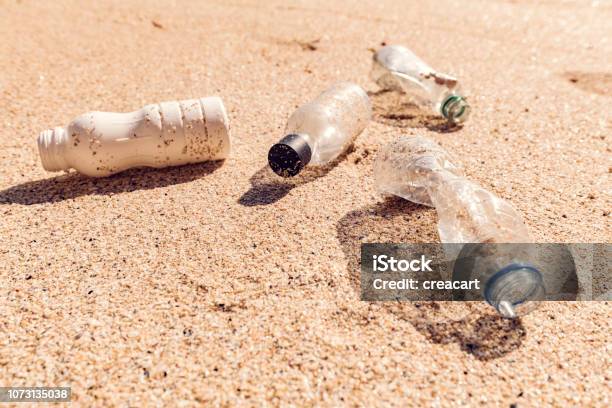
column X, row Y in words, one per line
column 267, row 187
column 599, row 83
column 73, row 185
column 391, row 108
column 473, row 326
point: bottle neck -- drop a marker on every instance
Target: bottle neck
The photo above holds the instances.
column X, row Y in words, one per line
column 514, row 290
column 455, row 108
column 51, row 146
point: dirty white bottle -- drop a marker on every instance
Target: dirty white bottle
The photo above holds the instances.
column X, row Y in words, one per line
column 421, row 171
column 159, row 135
column 397, row 68
column 319, row 131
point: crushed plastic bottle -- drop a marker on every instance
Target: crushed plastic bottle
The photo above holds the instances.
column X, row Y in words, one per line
column 319, row 131
column 421, row 171
column 397, row 68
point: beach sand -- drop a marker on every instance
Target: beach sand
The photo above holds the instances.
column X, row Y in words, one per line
column 216, row 283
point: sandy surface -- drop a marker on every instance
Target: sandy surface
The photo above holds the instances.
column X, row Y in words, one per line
column 216, row 283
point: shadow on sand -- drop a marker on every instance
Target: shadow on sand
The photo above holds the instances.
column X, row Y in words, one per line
column 73, row 185
column 473, row 326
column 267, row 187
column 391, row 108
column 599, row 83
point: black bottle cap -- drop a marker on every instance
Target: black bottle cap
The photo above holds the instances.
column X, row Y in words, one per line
column 289, row 156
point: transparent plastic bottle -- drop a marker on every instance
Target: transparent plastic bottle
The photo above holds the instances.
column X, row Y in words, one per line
column 319, row 131
column 165, row 134
column 397, row 68
column 421, row 171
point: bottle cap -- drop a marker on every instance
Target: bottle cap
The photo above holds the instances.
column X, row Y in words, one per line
column 289, row 156
column 456, row 109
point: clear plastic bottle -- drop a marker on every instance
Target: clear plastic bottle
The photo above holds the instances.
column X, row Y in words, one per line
column 421, row 171
column 397, row 68
column 166, row 134
column 319, row 131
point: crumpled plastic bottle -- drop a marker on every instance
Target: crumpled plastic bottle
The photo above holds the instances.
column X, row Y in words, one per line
column 421, row 171
column 397, row 68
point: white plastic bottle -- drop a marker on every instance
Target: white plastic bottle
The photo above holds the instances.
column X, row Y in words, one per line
column 397, row 68
column 99, row 144
column 319, row 131
column 421, row 171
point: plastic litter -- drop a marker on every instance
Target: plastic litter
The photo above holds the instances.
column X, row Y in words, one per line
column 159, row 135
column 397, row 68
column 421, row 171
column 321, row 130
